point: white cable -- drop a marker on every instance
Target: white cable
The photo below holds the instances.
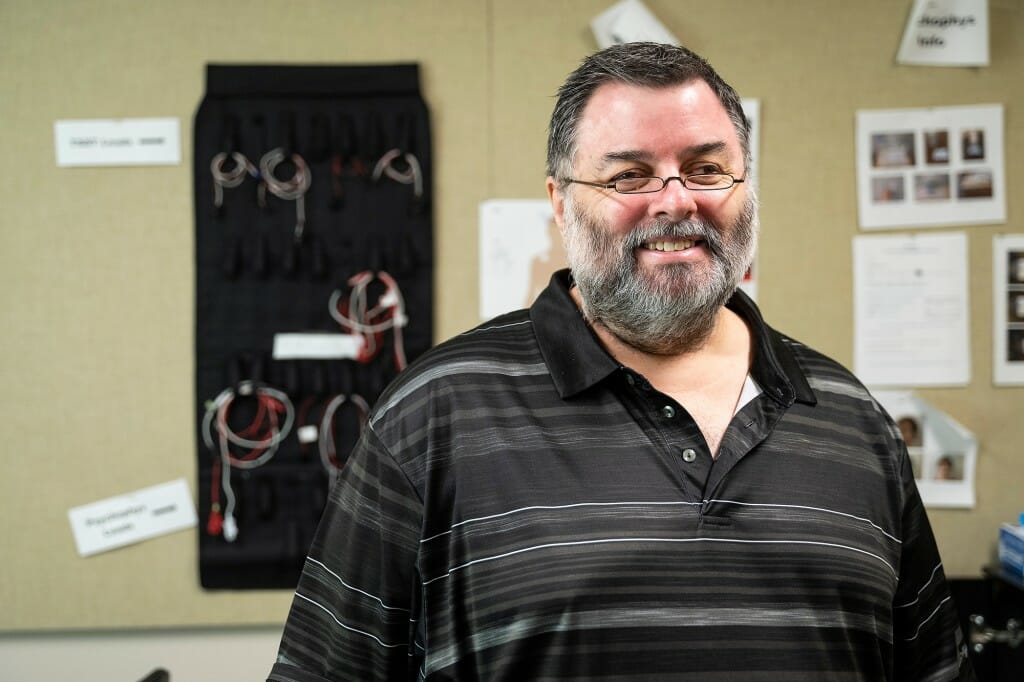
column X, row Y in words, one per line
column 325, row 444
column 218, row 408
column 411, row 176
column 358, row 317
column 229, row 179
column 293, row 189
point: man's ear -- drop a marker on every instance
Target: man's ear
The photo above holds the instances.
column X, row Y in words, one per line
column 557, row 198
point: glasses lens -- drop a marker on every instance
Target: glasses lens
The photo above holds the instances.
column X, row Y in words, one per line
column 709, row 181
column 635, row 185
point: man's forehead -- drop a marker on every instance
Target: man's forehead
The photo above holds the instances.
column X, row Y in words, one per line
column 627, row 120
column 694, row 92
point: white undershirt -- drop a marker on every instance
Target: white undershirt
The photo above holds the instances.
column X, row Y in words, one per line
column 750, row 391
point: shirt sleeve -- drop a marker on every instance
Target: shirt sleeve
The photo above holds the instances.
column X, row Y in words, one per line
column 356, row 605
column 927, row 641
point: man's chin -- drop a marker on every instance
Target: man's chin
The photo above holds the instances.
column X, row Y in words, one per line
column 674, row 281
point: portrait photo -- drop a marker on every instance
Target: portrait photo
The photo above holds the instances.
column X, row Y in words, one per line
column 931, row 187
column 936, row 146
column 949, row 467
column 887, row 189
column 973, row 144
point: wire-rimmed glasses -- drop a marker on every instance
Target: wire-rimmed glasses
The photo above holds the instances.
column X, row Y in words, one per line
column 648, row 184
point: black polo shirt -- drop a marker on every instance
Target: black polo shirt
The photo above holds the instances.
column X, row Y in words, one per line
column 522, row 507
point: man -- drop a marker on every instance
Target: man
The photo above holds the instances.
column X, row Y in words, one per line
column 636, row 479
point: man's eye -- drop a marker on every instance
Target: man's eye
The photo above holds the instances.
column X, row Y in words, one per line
column 628, row 175
column 706, row 169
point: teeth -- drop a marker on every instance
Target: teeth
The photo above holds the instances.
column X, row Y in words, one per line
column 670, row 246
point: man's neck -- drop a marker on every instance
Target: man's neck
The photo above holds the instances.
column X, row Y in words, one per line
column 728, row 345
column 706, row 381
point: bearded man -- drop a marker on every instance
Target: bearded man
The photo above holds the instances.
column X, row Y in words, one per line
column 637, row 478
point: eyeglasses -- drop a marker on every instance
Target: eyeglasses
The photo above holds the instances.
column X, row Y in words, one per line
column 649, row 184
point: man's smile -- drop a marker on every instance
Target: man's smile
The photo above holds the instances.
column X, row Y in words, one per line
column 671, row 244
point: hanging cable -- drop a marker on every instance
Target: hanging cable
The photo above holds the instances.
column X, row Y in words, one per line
column 387, row 315
column 262, row 437
column 412, row 175
column 327, row 445
column 293, row 189
column 232, row 177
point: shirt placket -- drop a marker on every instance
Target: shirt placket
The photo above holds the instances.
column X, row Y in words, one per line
column 673, row 432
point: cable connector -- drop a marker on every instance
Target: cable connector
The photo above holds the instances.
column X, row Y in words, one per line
column 215, row 523
column 230, row 528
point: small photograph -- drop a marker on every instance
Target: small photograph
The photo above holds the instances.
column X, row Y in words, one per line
column 974, row 185
column 890, row 150
column 949, row 468
column 973, row 144
column 1016, row 269
column 931, row 187
column 887, row 189
column 915, row 464
column 910, row 429
column 936, row 146
column 1015, row 345
column 1015, row 309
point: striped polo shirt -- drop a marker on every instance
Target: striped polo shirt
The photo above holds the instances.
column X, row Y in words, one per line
column 523, row 507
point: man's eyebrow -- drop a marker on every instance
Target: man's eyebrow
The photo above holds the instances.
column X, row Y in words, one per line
column 633, row 155
column 707, row 148
column 637, row 155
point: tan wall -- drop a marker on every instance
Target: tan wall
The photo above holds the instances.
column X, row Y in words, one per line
column 96, row 273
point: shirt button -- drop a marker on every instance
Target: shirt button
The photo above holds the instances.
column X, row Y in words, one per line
column 630, row 380
column 689, row 454
column 668, row 412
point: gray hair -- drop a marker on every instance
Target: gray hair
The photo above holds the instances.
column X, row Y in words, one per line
column 644, row 64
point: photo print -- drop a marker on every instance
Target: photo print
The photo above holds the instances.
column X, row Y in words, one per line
column 1008, row 310
column 930, row 167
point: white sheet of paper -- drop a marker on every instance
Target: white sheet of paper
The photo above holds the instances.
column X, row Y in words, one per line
column 317, row 346
column 910, row 310
column 520, row 246
column 946, row 33
column 930, row 167
column 134, row 517
column 942, row 452
column 1008, row 310
column 118, row 142
column 629, row 21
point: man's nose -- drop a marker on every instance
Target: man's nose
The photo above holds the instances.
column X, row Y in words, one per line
column 674, row 201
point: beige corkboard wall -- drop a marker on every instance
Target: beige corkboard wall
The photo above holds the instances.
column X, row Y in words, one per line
column 96, row 274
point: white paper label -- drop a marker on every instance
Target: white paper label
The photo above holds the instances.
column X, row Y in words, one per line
column 118, row 142
column 317, row 346
column 946, row 33
column 127, row 519
column 629, row 21
column 308, row 433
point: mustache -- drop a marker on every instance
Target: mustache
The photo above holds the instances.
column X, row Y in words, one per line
column 699, row 228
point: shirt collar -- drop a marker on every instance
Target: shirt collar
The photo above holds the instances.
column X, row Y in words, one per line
column 577, row 360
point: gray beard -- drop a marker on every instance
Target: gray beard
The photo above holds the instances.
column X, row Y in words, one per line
column 673, row 309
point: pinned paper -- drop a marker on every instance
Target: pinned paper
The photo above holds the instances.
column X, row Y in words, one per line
column 946, row 33
column 628, row 22
column 942, row 452
column 520, row 247
column 910, row 303
column 1008, row 310
column 118, row 142
column 134, row 517
column 930, row 166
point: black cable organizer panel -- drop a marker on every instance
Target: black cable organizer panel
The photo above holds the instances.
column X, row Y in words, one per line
column 314, row 287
